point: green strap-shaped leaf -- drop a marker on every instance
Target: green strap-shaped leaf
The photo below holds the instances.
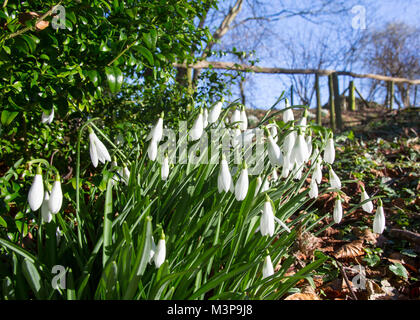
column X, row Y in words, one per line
column 115, row 78
column 7, row 117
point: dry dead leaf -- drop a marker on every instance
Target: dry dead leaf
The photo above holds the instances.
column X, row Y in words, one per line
column 303, row 296
column 308, row 243
column 350, row 250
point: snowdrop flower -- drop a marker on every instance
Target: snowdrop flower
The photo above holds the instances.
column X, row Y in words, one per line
column 258, row 186
column 303, row 121
column 56, row 196
column 156, row 133
column 241, row 188
column 274, row 153
column 160, row 253
column 335, row 182
column 329, row 152
column 267, row 218
column 45, row 211
column 152, row 150
column 309, row 146
column 58, row 235
column 36, row 192
column 197, row 128
column 236, row 137
column 215, row 111
column 97, row 149
column 268, row 269
column 126, row 174
column 244, row 119
column 264, row 186
column 47, row 118
column 273, row 132
column 368, row 206
column 317, row 174
column 236, row 116
column 288, row 114
column 205, row 118
column 298, row 173
column 338, row 211
column 152, row 250
column 313, row 192
column 165, row 168
column 289, row 142
column 274, row 175
column 379, row 220
column 224, row 179
column 299, row 152
column 286, row 166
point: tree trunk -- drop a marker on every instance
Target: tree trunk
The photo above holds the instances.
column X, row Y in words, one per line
column 337, row 102
column 318, row 101
column 331, row 102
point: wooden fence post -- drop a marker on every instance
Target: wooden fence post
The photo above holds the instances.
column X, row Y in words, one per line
column 318, row 101
column 337, row 102
column 291, row 95
column 331, row 102
column 391, row 98
column 352, row 97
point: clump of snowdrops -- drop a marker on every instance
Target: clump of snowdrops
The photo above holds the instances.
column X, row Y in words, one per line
column 164, row 227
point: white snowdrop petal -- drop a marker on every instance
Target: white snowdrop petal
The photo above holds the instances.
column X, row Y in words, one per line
column 197, row 128
column 45, row 211
column 102, row 150
column 379, row 220
column 268, row 269
column 329, row 152
column 165, row 169
column 215, row 112
column 313, row 192
column 368, row 206
column 267, row 220
column 152, row 150
column 338, row 211
column 56, row 198
column 36, row 193
column 241, row 188
column 160, row 254
column 92, row 150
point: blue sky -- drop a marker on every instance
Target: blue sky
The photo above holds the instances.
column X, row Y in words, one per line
column 262, row 90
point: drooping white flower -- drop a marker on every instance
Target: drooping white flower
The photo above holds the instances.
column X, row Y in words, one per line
column 317, row 174
column 267, row 219
column 47, row 118
column 268, row 269
column 298, row 172
column 156, row 133
column 288, row 114
column 236, row 137
column 97, row 149
column 160, row 253
column 368, row 206
column 152, row 250
column 313, row 189
column 338, row 211
column 303, row 121
column 289, row 142
column 274, row 133
column 197, row 128
column 379, row 220
column 215, row 112
column 126, row 174
column 258, row 186
column 286, row 166
column 205, row 118
column 265, row 186
column 36, row 192
column 299, row 152
column 244, row 119
column 309, row 146
column 165, row 168
column 274, row 153
column 335, row 182
column 274, row 175
column 56, row 196
column 236, row 117
column 58, row 235
column 329, row 152
column 45, row 211
column 152, row 150
column 224, row 179
column 241, row 187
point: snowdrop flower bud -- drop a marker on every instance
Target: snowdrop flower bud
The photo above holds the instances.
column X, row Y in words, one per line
column 267, row 218
column 303, row 121
column 236, row 136
column 258, row 186
column 152, row 250
column 241, row 188
column 47, row 118
column 160, row 253
column 97, row 149
column 205, row 118
column 197, row 128
column 45, row 211
column 215, row 111
column 379, row 220
column 299, row 152
column 273, row 132
column 288, row 114
column 58, row 235
column 36, row 192
column 56, row 196
column 274, row 153
column 309, row 146
column 224, row 179
column 317, row 174
column 313, row 192
column 268, row 269
column 244, row 119
column 156, row 133
column 236, row 117
column 289, row 142
column 334, row 180
column 338, row 211
column 368, row 206
column 126, row 174
column 274, row 176
column 152, row 150
column 329, row 152
column 165, row 168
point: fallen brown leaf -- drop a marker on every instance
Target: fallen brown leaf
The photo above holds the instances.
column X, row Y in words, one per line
column 350, row 250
